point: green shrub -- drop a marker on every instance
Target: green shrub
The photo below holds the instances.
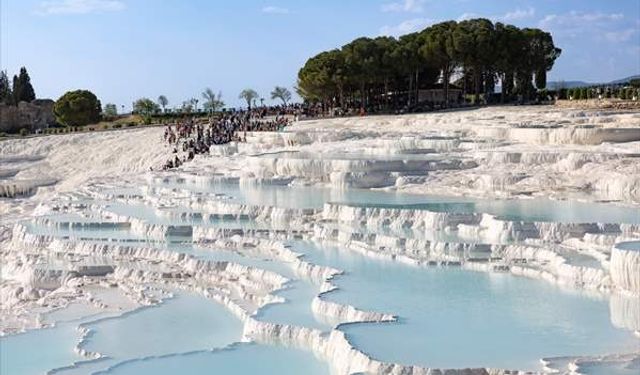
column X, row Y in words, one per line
column 24, row 132
column 116, row 126
column 583, row 93
column 80, row 107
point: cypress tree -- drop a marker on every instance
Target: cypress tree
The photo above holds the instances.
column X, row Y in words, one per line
column 22, row 88
column 5, row 89
column 16, row 86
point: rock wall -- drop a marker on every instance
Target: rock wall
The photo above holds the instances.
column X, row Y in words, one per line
column 33, row 116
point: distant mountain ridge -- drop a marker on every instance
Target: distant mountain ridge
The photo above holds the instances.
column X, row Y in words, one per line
column 571, row 84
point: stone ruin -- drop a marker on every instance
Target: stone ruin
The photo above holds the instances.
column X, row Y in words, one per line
column 33, row 116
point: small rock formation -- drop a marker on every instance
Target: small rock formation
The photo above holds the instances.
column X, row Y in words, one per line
column 33, row 116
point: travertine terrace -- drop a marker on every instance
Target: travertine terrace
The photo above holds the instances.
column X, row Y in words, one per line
column 61, row 196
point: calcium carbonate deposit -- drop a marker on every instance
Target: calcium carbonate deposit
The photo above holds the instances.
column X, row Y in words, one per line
column 501, row 240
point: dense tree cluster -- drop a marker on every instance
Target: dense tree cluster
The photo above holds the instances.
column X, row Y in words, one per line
column 77, row 108
column 20, row 90
column 603, row 92
column 382, row 70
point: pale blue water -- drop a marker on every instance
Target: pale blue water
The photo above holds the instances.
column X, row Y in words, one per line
column 631, row 245
column 455, row 318
column 36, row 352
column 297, row 309
column 609, row 368
column 242, row 359
column 535, row 209
column 184, row 323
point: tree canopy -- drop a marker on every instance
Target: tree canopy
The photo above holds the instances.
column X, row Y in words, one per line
column 77, row 108
column 110, row 111
column 249, row 95
column 381, row 69
column 281, row 93
column 163, row 102
column 212, row 102
column 145, row 107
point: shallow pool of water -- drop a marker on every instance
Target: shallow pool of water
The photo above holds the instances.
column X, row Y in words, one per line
column 241, row 359
column 534, row 209
column 36, row 352
column 184, row 323
column 451, row 317
column 297, row 308
column 630, row 246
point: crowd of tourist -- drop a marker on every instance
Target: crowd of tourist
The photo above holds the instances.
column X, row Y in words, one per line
column 294, row 110
column 190, row 137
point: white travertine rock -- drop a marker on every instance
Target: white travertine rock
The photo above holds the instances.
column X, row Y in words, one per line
column 396, row 217
column 492, row 152
column 625, row 266
column 625, row 311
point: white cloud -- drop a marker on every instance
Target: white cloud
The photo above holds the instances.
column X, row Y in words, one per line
column 575, row 18
column 275, row 10
column 416, row 24
column 412, row 6
column 515, row 15
column 468, row 16
column 79, row 6
column 406, row 27
column 592, row 26
column 619, row 36
column 518, row 14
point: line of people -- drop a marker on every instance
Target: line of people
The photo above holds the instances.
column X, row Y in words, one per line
column 192, row 138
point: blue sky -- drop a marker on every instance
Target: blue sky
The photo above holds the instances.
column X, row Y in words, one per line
column 126, row 49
